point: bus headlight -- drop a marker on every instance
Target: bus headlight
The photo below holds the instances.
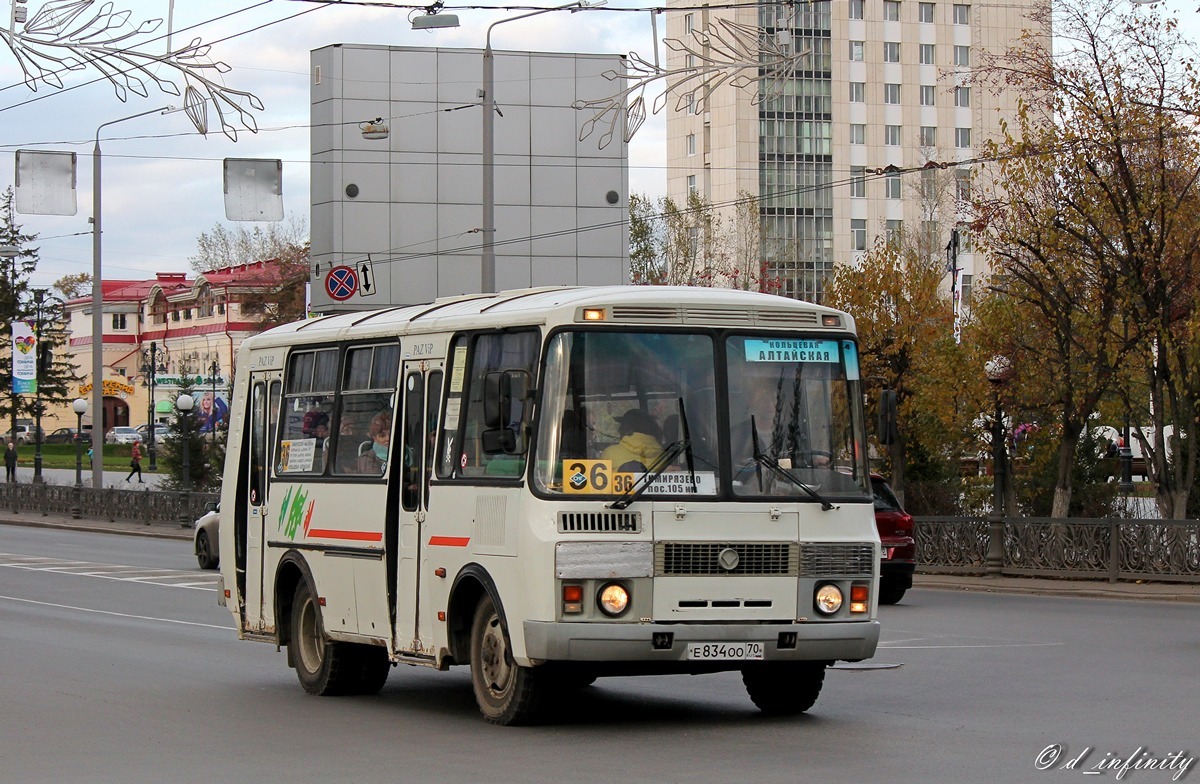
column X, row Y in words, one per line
column 828, row 599
column 613, row 599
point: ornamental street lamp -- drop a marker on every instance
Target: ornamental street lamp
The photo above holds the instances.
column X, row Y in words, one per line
column 998, row 370
column 43, row 353
column 150, row 368
column 79, row 407
column 185, row 403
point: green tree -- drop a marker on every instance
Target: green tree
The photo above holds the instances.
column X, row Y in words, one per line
column 18, row 303
column 181, row 438
column 222, row 247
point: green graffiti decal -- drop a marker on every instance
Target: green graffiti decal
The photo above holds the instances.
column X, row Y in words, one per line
column 292, row 512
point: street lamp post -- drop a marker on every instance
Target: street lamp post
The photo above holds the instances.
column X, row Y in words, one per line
column 98, row 298
column 998, row 370
column 184, row 404
column 39, row 300
column 79, row 406
column 151, row 370
column 1126, row 483
column 213, row 370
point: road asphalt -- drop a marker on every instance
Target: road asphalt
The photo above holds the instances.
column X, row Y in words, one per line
column 1135, row 590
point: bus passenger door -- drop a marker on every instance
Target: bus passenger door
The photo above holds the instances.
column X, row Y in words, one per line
column 265, row 389
column 422, row 385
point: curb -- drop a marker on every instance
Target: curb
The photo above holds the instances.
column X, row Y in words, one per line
column 161, row 531
column 1187, row 593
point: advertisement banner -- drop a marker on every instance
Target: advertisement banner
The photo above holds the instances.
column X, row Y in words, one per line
column 24, row 361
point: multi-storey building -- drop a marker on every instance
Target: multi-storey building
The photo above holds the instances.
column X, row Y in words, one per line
column 195, row 326
column 840, row 156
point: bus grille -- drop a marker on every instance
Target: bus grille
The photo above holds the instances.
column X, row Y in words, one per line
column 599, row 522
column 837, row 560
column 705, row 558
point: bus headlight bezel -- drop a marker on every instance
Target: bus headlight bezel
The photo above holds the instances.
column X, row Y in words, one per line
column 613, row 599
column 828, row 599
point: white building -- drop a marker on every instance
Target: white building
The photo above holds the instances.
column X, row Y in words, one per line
column 405, row 213
column 882, row 83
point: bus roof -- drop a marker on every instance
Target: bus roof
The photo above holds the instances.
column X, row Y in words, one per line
column 625, row 305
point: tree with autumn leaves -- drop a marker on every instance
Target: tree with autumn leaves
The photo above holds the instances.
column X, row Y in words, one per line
column 1093, row 233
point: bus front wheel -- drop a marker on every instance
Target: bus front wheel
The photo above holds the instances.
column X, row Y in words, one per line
column 506, row 692
column 321, row 664
column 784, row 688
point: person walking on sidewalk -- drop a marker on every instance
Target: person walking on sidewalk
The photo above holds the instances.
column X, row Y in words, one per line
column 135, row 463
column 10, row 462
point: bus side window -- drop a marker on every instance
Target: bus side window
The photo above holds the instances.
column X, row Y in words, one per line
column 492, row 353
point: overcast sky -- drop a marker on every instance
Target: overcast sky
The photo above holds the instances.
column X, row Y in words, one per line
column 162, row 181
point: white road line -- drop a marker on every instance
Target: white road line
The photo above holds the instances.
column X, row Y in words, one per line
column 117, row 614
column 120, row 574
column 993, row 645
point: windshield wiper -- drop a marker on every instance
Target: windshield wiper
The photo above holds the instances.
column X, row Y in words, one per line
column 655, row 470
column 766, row 460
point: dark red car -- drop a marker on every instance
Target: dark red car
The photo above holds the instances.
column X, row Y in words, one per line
column 899, row 547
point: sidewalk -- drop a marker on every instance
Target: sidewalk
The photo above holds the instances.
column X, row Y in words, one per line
column 68, row 523
column 1145, row 591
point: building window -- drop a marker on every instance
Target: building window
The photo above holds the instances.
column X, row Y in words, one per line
column 927, row 54
column 858, row 133
column 891, row 52
column 928, row 136
column 858, row 233
column 688, row 23
column 891, row 135
column 925, row 13
column 118, row 321
column 689, row 104
column 965, row 297
column 893, row 229
column 856, row 9
column 858, row 182
column 858, row 92
column 962, row 138
column 691, row 183
column 929, row 183
column 691, row 144
column 962, row 55
column 962, row 96
column 891, row 93
column 187, row 314
column 930, row 229
column 174, row 315
column 856, row 51
column 891, row 10
column 962, row 14
column 891, row 186
column 928, row 93
column 962, row 184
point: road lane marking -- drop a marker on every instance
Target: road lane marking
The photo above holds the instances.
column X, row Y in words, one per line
column 117, row 614
column 990, row 645
column 172, row 578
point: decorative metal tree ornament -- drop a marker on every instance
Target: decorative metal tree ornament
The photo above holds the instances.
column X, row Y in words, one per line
column 724, row 52
column 73, row 35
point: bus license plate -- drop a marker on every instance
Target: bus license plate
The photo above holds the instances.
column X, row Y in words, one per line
column 710, row 651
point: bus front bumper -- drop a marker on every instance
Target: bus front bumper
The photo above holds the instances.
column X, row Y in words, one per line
column 668, row 642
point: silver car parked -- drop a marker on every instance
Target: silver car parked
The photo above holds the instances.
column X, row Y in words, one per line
column 204, row 537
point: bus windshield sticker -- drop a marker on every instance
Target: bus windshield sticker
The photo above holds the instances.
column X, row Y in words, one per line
column 792, row 350
column 593, row 477
column 850, row 355
column 453, row 407
column 297, row 455
column 460, row 370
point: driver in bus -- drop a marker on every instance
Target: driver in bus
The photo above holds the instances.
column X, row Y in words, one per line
column 640, row 445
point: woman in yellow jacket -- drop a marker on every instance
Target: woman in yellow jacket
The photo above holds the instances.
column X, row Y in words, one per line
column 639, row 446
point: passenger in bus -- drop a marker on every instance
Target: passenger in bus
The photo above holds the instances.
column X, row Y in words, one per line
column 373, row 459
column 640, row 445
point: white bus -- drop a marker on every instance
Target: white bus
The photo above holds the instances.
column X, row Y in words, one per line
column 555, row 485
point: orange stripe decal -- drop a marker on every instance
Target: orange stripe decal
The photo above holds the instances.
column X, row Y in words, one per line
column 355, row 536
column 449, row 541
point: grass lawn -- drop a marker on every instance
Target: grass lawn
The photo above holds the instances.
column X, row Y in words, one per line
column 116, row 456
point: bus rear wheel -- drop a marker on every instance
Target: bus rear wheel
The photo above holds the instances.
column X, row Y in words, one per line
column 784, row 688
column 323, row 666
column 506, row 692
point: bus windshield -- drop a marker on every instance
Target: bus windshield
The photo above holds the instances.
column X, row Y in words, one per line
column 617, row 406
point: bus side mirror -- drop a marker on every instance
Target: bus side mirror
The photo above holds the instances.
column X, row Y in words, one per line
column 888, row 430
column 505, row 412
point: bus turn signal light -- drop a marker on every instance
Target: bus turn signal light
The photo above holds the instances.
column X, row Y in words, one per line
column 859, row 598
column 572, row 599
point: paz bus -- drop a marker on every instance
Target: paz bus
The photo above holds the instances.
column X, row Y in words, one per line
column 553, row 485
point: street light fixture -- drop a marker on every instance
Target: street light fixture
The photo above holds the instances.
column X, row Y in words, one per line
column 79, row 406
column 39, row 301
column 998, row 370
column 150, row 368
column 185, row 403
column 98, row 297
